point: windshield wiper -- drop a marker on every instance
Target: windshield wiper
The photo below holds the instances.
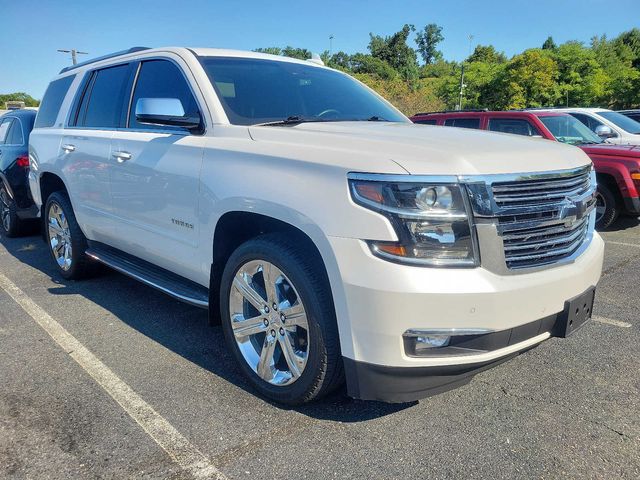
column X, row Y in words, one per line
column 376, row 118
column 292, row 120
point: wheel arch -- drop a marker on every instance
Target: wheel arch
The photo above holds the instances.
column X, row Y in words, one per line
column 236, row 227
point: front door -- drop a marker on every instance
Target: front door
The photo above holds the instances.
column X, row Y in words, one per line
column 156, row 177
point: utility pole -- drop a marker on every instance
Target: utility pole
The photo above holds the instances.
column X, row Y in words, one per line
column 74, row 54
column 330, row 44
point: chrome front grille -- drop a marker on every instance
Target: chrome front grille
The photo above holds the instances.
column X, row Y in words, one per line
column 554, row 230
column 541, row 219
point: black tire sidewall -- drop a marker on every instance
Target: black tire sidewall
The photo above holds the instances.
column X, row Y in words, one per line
column 14, row 226
column 611, row 207
column 304, row 387
column 78, row 240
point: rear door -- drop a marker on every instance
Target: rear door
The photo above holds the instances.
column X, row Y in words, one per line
column 86, row 149
column 156, row 179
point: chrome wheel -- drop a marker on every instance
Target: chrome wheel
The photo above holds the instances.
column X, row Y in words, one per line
column 269, row 322
column 5, row 210
column 59, row 236
column 601, row 207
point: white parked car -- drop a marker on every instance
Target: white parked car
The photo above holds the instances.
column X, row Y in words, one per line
column 331, row 237
column 613, row 127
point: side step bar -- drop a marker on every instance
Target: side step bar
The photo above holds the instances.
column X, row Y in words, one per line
column 174, row 285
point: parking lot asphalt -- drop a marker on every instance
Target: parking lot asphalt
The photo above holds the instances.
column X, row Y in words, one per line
column 569, row 408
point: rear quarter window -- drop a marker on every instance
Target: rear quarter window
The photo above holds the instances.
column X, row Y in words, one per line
column 431, row 121
column 52, row 101
column 463, row 122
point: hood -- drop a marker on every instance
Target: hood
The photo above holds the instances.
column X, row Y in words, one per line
column 608, row 149
column 424, row 149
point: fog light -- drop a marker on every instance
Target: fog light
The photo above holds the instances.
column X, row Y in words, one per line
column 432, row 341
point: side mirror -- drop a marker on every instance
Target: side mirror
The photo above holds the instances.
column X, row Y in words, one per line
column 605, row 132
column 165, row 111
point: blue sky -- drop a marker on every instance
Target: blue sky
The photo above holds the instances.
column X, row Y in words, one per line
column 32, row 31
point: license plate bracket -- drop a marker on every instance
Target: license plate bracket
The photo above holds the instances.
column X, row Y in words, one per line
column 577, row 311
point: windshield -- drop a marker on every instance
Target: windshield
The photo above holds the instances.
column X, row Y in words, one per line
column 627, row 124
column 568, row 129
column 254, row 91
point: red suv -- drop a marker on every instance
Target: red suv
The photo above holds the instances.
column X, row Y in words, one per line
column 617, row 166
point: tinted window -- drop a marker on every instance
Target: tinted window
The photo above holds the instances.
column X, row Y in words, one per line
column 162, row 79
column 590, row 122
column 53, row 98
column 105, row 96
column 513, row 125
column 463, row 122
column 256, row 91
column 427, row 122
column 4, row 129
column 14, row 136
column 622, row 121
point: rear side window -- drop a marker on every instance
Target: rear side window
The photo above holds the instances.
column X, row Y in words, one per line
column 162, row 79
column 51, row 102
column 589, row 121
column 515, row 126
column 101, row 106
column 4, row 129
column 14, row 136
column 463, row 122
column 427, row 122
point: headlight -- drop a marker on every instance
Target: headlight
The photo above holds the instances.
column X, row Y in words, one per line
column 431, row 220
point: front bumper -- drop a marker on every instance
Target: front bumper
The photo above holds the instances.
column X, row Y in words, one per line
column 384, row 300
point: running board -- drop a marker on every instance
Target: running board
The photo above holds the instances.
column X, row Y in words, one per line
column 174, row 285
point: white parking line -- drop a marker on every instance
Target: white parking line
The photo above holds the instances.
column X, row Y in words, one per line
column 624, row 244
column 160, row 430
column 610, row 321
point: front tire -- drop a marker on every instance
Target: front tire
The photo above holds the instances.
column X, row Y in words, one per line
column 66, row 241
column 279, row 320
column 607, row 207
column 9, row 220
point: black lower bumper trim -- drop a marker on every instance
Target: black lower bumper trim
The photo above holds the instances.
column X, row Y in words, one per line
column 367, row 381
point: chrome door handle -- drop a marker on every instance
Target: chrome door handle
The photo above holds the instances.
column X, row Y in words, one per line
column 68, row 148
column 122, row 157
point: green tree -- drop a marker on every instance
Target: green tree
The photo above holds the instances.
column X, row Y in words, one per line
column 300, row 53
column 427, row 40
column 549, row 44
column 395, row 51
column 270, row 50
column 529, row 80
column 487, row 54
column 363, row 63
column 581, row 78
column 28, row 100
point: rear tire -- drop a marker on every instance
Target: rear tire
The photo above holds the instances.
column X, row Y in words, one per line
column 607, row 207
column 66, row 241
column 298, row 331
column 9, row 221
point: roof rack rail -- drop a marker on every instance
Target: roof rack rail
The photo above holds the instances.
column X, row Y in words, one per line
column 464, row 110
column 104, row 57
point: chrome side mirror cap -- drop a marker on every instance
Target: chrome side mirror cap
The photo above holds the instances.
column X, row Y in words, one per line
column 604, row 131
column 165, row 112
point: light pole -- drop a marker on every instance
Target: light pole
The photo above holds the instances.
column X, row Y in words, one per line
column 74, row 54
column 330, row 44
column 462, row 85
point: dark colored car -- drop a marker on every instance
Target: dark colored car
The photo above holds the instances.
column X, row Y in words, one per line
column 617, row 166
column 16, row 204
column 632, row 114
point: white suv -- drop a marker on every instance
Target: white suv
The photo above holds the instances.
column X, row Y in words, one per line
column 331, row 237
column 613, row 127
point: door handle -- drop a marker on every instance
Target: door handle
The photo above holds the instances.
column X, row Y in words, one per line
column 68, row 148
column 122, row 157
